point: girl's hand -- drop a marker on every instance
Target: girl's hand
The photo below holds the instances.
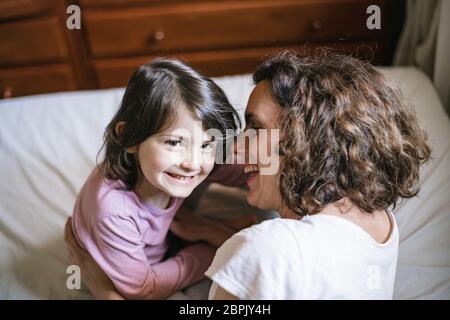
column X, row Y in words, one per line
column 92, row 275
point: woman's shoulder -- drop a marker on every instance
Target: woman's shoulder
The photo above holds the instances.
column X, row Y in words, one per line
column 306, row 234
column 283, row 229
column 259, row 262
column 266, row 231
column 270, row 238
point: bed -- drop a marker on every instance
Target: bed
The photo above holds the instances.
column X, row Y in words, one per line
column 48, row 146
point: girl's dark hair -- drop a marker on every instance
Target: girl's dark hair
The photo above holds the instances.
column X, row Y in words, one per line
column 151, row 101
column 345, row 132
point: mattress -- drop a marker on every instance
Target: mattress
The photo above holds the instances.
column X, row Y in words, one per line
column 48, row 147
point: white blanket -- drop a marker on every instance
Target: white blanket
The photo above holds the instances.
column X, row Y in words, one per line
column 48, row 146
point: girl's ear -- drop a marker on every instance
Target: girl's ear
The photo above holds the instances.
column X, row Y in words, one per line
column 133, row 149
column 120, row 127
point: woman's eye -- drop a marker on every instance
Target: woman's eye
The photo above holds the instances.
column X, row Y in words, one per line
column 173, row 143
column 252, row 127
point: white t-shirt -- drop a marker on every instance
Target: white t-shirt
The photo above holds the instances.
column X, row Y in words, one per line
column 318, row 257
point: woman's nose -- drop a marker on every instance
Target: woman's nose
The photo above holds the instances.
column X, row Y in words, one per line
column 240, row 150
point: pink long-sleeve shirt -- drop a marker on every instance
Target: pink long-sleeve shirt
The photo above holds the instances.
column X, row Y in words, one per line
column 128, row 238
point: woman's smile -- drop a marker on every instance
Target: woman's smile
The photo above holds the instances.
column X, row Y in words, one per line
column 252, row 172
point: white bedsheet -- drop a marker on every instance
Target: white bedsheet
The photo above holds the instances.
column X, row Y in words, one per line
column 48, row 145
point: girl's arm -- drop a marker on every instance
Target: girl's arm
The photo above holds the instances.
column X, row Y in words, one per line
column 120, row 258
column 94, row 277
column 97, row 281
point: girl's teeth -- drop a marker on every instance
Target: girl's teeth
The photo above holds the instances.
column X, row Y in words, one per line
column 181, row 177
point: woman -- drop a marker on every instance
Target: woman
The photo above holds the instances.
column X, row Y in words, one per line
column 350, row 148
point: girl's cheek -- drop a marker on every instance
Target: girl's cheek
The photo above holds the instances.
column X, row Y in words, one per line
column 208, row 160
column 208, row 166
column 172, row 156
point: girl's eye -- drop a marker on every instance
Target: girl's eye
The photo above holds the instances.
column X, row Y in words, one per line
column 206, row 146
column 173, row 143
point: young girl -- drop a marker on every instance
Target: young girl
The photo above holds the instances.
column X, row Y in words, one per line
column 153, row 160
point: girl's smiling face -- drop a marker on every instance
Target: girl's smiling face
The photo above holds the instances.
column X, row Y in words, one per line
column 175, row 160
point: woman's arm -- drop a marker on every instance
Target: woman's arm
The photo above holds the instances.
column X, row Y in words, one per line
column 231, row 175
column 222, row 294
column 192, row 227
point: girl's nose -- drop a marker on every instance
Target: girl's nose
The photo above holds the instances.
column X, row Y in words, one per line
column 191, row 162
column 190, row 165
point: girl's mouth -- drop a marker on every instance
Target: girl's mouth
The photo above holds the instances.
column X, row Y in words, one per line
column 180, row 178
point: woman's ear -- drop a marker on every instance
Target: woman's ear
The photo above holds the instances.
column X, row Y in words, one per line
column 120, row 127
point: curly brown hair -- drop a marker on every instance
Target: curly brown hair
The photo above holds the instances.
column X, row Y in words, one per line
column 346, row 131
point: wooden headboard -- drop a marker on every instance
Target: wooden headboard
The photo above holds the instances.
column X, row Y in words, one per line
column 38, row 53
